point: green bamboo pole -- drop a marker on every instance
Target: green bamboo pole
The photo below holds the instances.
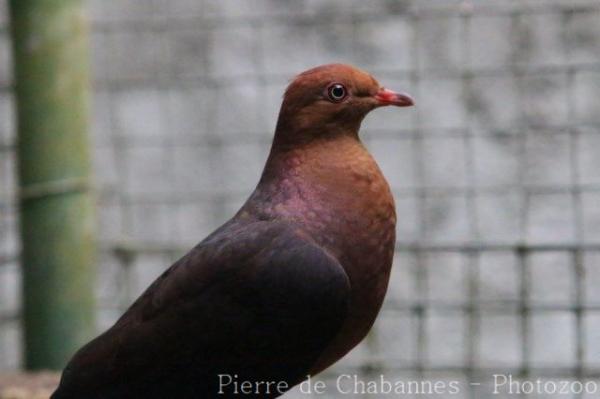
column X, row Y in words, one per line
column 50, row 48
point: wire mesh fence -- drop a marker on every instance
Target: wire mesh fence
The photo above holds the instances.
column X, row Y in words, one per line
column 496, row 172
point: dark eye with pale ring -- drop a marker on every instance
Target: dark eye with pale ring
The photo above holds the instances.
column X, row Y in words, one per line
column 336, row 92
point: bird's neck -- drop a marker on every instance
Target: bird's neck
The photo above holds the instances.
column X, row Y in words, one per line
column 314, row 162
column 296, row 128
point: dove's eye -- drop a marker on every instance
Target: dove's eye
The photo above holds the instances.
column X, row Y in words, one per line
column 336, row 92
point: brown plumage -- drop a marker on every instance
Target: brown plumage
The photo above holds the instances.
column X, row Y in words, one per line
column 286, row 287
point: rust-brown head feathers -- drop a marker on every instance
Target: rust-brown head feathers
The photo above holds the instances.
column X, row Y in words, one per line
column 332, row 98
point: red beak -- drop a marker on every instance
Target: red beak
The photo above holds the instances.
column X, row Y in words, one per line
column 389, row 97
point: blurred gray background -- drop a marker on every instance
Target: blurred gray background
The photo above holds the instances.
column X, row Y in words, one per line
column 496, row 171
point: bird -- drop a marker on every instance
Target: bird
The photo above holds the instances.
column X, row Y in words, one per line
column 286, row 287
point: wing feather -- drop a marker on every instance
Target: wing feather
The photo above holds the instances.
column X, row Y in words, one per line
column 261, row 301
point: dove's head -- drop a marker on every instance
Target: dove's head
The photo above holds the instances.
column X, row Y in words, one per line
column 332, row 99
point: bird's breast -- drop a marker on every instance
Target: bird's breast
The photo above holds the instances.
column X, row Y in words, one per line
column 362, row 238
column 338, row 196
column 354, row 218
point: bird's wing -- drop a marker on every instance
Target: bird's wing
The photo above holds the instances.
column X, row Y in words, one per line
column 261, row 301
